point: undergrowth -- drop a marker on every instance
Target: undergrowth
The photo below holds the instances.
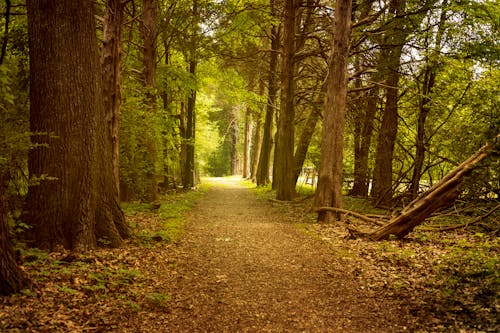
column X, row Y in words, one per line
column 448, row 281
column 96, row 291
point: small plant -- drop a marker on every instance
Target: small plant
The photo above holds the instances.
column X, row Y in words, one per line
column 158, row 298
column 67, row 290
column 133, row 306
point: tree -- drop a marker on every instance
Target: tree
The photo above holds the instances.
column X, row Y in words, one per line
column 442, row 194
column 284, row 180
column 329, row 192
column 111, row 53
column 394, row 41
column 149, row 34
column 12, row 278
column 272, row 92
column 428, row 79
column 75, row 200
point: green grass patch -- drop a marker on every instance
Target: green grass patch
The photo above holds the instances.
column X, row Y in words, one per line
column 361, row 205
column 164, row 219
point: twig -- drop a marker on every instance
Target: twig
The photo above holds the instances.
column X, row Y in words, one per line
column 463, row 225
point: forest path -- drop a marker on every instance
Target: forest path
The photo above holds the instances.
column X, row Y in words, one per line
column 241, row 268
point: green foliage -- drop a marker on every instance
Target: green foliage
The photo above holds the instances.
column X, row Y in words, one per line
column 164, row 220
column 468, row 278
column 158, row 299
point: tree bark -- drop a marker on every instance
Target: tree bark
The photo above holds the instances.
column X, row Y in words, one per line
column 256, row 147
column 283, row 181
column 75, row 202
column 382, row 190
column 149, row 34
column 188, row 179
column 111, row 71
column 265, row 152
column 246, row 145
column 5, row 38
column 362, row 146
column 304, row 141
column 329, row 191
column 233, row 141
column 12, row 278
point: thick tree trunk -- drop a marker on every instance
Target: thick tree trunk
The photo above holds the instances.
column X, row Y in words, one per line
column 12, row 278
column 149, row 34
column 75, row 201
column 267, row 139
column 111, row 71
column 329, row 191
column 283, row 181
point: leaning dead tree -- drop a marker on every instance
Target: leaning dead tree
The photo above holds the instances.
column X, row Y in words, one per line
column 438, row 196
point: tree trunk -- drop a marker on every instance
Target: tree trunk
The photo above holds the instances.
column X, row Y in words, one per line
column 256, row 146
column 233, row 132
column 440, row 195
column 12, row 278
column 429, row 78
column 382, row 190
column 283, row 181
column 111, row 72
column 149, row 34
column 304, row 140
column 362, row 148
column 75, row 202
column 5, row 38
column 188, row 180
column 265, row 152
column 246, row 145
column 329, row 191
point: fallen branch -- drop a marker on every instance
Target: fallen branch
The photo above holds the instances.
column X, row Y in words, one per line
column 348, row 212
column 438, row 196
column 463, row 225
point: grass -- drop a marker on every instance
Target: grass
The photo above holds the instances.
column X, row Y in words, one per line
column 166, row 222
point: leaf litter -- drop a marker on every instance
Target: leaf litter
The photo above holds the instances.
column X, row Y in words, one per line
column 243, row 264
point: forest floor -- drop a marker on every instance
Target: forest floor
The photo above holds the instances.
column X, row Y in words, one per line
column 240, row 263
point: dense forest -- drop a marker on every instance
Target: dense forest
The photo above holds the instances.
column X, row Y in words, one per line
column 111, row 101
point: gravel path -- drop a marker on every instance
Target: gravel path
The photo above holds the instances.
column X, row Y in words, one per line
column 241, row 268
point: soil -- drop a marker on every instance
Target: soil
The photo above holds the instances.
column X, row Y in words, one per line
column 242, row 267
column 246, row 264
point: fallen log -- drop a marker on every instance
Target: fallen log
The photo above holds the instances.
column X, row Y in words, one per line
column 438, row 196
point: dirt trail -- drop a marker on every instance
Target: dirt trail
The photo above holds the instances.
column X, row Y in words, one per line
column 241, row 268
